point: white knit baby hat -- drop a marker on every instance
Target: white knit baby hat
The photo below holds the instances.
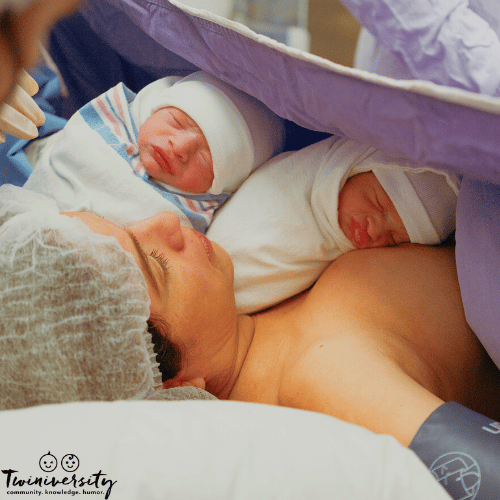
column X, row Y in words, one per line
column 73, row 311
column 425, row 199
column 242, row 133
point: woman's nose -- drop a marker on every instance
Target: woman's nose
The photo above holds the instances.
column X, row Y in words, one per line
column 162, row 229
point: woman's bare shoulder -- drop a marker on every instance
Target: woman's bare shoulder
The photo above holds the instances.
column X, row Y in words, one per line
column 409, row 293
column 415, row 271
column 406, row 260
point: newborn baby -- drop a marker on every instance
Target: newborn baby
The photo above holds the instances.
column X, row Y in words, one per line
column 383, row 207
column 180, row 144
column 301, row 210
column 367, row 215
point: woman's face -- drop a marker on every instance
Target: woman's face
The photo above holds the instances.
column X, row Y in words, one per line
column 189, row 278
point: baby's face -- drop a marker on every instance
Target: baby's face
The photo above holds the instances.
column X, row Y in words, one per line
column 174, row 150
column 367, row 215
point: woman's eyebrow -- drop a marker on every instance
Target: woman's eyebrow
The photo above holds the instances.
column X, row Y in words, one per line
column 146, row 266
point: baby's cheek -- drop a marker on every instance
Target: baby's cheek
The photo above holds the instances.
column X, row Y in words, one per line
column 198, row 179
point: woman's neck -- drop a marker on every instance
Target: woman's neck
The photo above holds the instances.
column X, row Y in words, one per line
column 275, row 336
column 223, row 383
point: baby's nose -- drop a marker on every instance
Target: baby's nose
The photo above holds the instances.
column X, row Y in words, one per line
column 380, row 232
column 184, row 144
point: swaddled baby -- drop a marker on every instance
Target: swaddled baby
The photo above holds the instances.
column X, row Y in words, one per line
column 301, row 210
column 180, row 144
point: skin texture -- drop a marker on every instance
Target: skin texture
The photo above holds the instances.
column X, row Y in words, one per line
column 380, row 340
column 19, row 44
column 175, row 151
column 367, row 215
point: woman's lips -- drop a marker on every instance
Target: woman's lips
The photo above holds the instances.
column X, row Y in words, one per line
column 162, row 160
column 206, row 244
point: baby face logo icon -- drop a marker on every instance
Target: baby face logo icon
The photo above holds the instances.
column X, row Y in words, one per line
column 70, row 462
column 48, row 462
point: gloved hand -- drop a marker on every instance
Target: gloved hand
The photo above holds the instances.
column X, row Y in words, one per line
column 19, row 114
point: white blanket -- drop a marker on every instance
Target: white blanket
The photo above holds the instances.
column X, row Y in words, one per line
column 199, row 450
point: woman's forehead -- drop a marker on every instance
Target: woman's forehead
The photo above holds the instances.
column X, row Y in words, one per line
column 92, row 220
column 100, row 225
column 125, row 238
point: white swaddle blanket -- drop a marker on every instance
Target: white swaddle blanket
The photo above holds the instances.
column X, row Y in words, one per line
column 281, row 227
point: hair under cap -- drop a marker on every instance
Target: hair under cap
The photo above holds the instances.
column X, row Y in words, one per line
column 425, row 199
column 73, row 311
column 242, row 133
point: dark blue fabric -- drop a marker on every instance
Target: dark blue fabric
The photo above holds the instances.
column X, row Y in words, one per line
column 137, row 47
column 15, row 167
column 89, row 66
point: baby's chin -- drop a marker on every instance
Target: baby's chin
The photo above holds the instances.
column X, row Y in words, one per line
column 190, row 188
column 196, row 187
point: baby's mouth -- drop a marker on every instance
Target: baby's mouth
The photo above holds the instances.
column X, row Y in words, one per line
column 359, row 234
column 162, row 160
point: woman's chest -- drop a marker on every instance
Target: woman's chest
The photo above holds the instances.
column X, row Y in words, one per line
column 441, row 353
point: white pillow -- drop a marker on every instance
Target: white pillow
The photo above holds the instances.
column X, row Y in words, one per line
column 203, row 449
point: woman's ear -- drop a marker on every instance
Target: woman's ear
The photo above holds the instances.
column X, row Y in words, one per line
column 195, row 382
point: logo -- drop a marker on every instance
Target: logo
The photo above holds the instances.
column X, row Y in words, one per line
column 58, row 477
column 70, row 462
column 459, row 473
column 48, row 462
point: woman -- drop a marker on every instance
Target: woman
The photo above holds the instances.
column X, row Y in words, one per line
column 380, row 340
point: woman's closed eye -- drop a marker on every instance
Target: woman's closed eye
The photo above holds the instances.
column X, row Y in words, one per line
column 161, row 259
